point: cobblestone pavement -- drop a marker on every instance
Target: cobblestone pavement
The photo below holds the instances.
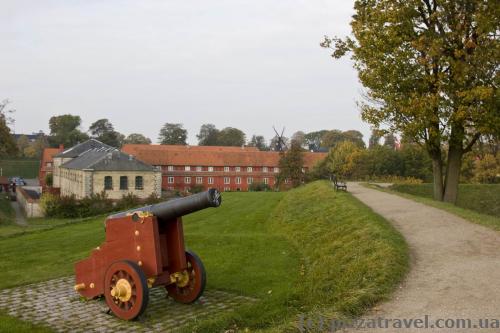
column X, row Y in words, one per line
column 55, row 304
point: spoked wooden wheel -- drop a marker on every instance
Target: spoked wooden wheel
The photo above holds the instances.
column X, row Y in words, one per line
column 126, row 290
column 192, row 287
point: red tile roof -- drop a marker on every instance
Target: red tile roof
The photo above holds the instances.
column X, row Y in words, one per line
column 211, row 155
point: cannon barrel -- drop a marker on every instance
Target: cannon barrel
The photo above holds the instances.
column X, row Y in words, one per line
column 178, row 207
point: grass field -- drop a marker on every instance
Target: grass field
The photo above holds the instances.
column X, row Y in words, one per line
column 308, row 251
column 482, row 198
column 20, row 167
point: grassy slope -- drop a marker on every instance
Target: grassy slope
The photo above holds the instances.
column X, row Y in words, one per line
column 309, row 250
column 6, row 211
column 349, row 258
column 482, row 198
column 20, row 167
column 489, row 221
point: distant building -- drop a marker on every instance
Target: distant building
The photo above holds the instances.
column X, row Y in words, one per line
column 31, row 137
column 93, row 167
column 47, row 163
column 224, row 168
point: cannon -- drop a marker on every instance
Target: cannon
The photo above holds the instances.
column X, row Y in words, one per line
column 144, row 248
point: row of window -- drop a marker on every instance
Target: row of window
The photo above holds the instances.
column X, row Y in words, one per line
column 108, row 183
column 210, row 180
column 226, row 169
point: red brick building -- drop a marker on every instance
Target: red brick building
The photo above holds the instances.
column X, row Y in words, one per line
column 224, row 168
column 47, row 163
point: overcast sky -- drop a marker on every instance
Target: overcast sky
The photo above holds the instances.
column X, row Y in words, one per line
column 249, row 64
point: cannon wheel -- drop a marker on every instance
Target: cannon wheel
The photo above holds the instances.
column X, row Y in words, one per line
column 197, row 280
column 126, row 289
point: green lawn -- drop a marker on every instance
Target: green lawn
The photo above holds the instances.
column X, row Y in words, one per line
column 20, row 167
column 309, row 251
column 482, row 198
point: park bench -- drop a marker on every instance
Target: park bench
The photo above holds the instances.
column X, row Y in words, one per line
column 338, row 185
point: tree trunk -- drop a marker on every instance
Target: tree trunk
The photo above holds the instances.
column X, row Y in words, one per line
column 437, row 173
column 453, row 174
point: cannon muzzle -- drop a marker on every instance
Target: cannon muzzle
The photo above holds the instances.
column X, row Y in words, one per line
column 178, row 207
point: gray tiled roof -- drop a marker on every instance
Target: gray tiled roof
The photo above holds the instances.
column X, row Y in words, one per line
column 106, row 159
column 80, row 148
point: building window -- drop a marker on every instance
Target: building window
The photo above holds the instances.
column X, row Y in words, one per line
column 237, row 169
column 227, row 189
column 238, row 180
column 266, row 181
column 108, row 183
column 139, row 183
column 170, row 180
column 170, row 168
column 287, row 181
column 210, row 180
column 227, row 180
column 210, row 169
column 187, row 168
column 303, row 170
column 123, row 183
column 187, row 188
column 199, row 168
column 226, row 169
column 187, row 180
column 276, row 170
column 264, row 169
column 249, row 180
column 249, row 169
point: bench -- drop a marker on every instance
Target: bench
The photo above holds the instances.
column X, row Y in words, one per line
column 338, row 184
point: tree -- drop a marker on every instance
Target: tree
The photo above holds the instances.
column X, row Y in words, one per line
column 64, row 129
column 355, row 137
column 35, row 148
column 487, row 169
column 208, row 135
column 273, row 145
column 136, row 138
column 172, row 134
column 299, row 137
column 374, row 139
column 22, row 143
column 259, row 142
column 340, row 161
column 291, row 164
column 8, row 145
column 313, row 139
column 231, row 136
column 430, row 70
column 390, row 141
column 104, row 131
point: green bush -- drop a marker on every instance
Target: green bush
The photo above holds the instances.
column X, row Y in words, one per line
column 197, row 189
column 49, row 180
column 128, row 201
column 258, row 187
column 50, row 204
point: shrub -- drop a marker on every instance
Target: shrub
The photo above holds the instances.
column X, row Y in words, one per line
column 197, row 189
column 258, row 187
column 49, row 180
column 95, row 204
column 50, row 204
column 128, row 201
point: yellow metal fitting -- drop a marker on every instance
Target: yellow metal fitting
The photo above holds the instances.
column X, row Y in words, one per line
column 151, row 281
column 122, row 290
column 138, row 247
column 92, row 285
column 137, row 232
column 181, row 279
column 79, row 286
column 139, row 263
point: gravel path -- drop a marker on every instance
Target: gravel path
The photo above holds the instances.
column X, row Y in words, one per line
column 455, row 267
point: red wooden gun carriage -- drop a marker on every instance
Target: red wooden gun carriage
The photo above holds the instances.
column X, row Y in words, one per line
column 144, row 248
